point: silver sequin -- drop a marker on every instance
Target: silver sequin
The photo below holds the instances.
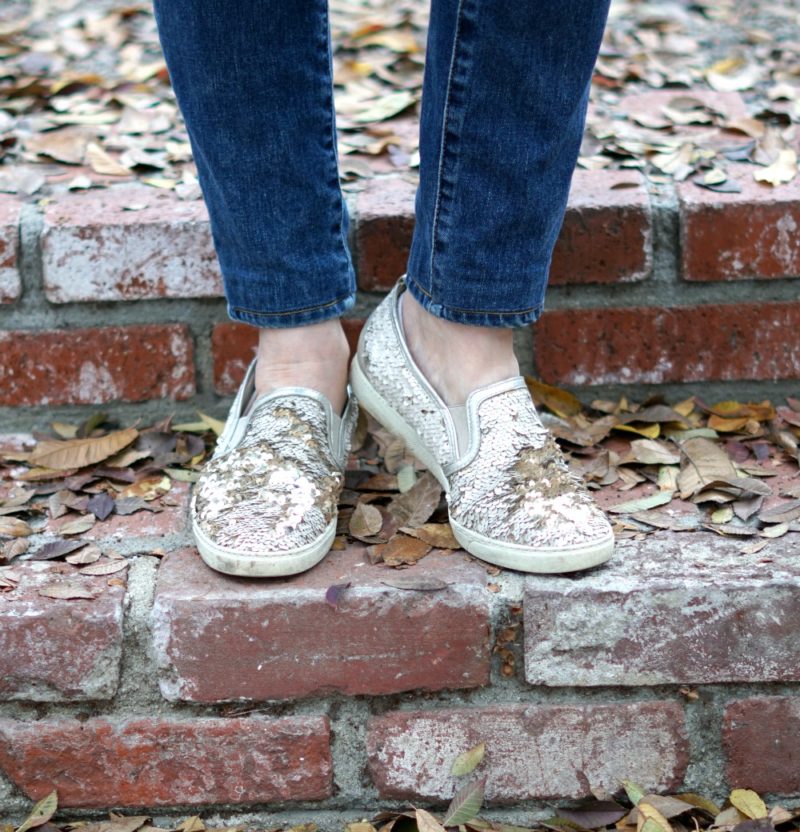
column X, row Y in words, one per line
column 277, row 490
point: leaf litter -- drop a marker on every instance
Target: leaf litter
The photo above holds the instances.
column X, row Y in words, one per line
column 85, row 99
column 739, row 479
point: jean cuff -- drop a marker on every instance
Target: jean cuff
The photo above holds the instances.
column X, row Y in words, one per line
column 473, row 317
column 295, row 317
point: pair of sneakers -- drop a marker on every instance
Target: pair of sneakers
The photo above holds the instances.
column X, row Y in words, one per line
column 266, row 503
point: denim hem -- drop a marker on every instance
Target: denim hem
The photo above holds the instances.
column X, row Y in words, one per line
column 473, row 317
column 293, row 317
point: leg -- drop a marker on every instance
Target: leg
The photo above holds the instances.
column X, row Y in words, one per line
column 503, row 111
column 254, row 83
column 504, row 102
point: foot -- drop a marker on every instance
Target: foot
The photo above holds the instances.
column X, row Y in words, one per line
column 455, row 358
column 266, row 503
column 314, row 356
column 511, row 497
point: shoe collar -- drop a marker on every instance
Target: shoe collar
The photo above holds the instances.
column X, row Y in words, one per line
column 466, row 446
column 245, row 405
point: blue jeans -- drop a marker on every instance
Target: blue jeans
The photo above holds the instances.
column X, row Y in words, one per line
column 505, row 92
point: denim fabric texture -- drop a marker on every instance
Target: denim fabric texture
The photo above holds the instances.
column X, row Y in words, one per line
column 504, row 101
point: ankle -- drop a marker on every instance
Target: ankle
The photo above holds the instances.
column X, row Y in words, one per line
column 315, row 356
column 457, row 358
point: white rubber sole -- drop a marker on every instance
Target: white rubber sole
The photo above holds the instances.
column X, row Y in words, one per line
column 268, row 565
column 508, row 555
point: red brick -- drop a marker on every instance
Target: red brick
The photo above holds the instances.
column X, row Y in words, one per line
column 385, row 224
column 221, row 638
column 10, row 286
column 532, row 751
column 607, row 231
column 233, row 347
column 90, row 366
column 38, row 634
column 721, row 616
column 165, row 762
column 752, row 234
column 760, row 738
column 93, row 249
column 635, row 345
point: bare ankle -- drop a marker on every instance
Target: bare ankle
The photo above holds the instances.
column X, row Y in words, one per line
column 457, row 358
column 315, row 356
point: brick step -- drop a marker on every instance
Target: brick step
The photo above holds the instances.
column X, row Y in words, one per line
column 652, row 283
column 664, row 660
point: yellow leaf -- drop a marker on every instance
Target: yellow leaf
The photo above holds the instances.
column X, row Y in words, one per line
column 78, row 453
column 215, row 424
column 561, row 402
column 748, row 803
column 101, row 162
column 727, row 425
column 41, row 812
column 650, row 431
column 148, row 489
column 782, row 170
column 469, row 760
column 649, row 814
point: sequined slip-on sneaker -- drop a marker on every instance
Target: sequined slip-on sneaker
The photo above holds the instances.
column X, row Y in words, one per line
column 265, row 504
column 512, row 498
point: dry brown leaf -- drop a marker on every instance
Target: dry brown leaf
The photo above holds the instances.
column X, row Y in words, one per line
column 399, row 551
column 101, row 162
column 79, row 525
column 68, row 590
column 703, row 463
column 70, row 454
column 105, row 567
column 14, row 527
column 782, row 170
column 366, row 521
column 561, row 402
column 438, row 535
column 415, row 507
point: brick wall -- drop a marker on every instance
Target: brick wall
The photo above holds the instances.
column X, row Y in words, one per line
column 114, row 295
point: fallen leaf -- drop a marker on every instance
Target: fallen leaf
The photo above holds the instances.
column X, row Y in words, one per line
column 79, row 525
column 334, row 593
column 67, row 590
column 41, row 812
column 438, row 535
column 469, row 760
column 105, row 567
column 652, row 452
column 399, row 551
column 561, row 402
column 415, row 507
column 14, row 527
column 420, row 583
column 782, row 170
column 78, row 453
column 101, row 162
column 703, row 463
column 57, row 549
column 426, row 822
column 365, row 522
column 748, row 803
column 88, row 554
column 658, row 498
column 465, row 804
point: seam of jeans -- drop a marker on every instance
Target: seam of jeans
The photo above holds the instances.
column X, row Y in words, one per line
column 445, row 118
column 334, row 137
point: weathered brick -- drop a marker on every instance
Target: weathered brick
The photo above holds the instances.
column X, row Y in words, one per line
column 220, row 638
column 385, row 214
column 673, row 608
column 10, row 286
column 89, row 366
column 532, row 751
column 760, row 738
column 233, row 346
column 38, row 634
column 94, row 249
column 635, row 345
column 165, row 762
column 752, row 234
column 606, row 236
column 607, row 231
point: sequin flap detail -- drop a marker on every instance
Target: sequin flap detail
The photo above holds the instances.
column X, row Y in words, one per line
column 519, row 487
column 277, row 490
